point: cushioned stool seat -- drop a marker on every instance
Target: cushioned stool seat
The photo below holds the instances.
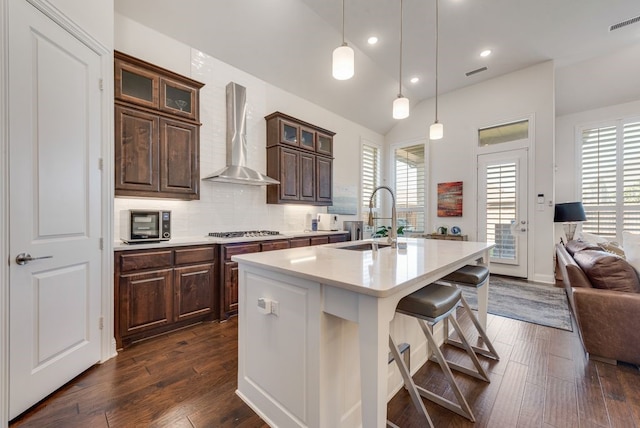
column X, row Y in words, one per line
column 430, row 305
column 471, row 276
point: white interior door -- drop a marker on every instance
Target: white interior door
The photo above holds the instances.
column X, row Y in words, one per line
column 502, row 210
column 55, row 212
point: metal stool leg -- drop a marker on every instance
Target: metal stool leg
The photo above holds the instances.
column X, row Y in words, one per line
column 491, row 351
column 462, row 407
column 408, row 383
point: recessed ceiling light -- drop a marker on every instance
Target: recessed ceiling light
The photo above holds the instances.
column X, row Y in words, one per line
column 372, row 40
column 415, row 80
column 485, row 53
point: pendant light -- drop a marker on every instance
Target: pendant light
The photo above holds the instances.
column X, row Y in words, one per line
column 436, row 130
column 400, row 104
column 343, row 58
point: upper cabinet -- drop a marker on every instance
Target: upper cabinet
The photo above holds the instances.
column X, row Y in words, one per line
column 300, row 155
column 157, row 131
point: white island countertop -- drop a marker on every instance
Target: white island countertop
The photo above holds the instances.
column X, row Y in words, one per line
column 389, row 271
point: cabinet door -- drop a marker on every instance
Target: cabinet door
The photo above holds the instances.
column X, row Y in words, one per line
column 299, row 242
column 136, row 85
column 324, row 179
column 324, row 144
column 178, row 99
column 289, row 132
column 145, row 301
column 307, row 177
column 136, row 152
column 289, row 174
column 193, row 288
column 307, row 138
column 179, row 163
column 230, row 295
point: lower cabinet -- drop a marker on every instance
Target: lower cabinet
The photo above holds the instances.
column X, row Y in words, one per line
column 161, row 290
column 229, row 268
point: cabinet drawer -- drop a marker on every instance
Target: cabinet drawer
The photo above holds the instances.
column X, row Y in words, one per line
column 319, row 240
column 275, row 245
column 194, row 255
column 337, row 238
column 148, row 260
column 233, row 250
column 299, row 242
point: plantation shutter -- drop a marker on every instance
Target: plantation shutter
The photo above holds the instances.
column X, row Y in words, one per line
column 599, row 182
column 611, row 178
column 501, row 209
column 631, row 177
column 370, row 174
column 410, row 185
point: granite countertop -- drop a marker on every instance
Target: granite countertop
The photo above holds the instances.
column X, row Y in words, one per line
column 205, row 240
column 378, row 274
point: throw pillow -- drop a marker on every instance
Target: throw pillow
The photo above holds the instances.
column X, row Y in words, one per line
column 608, row 271
column 614, row 248
column 631, row 245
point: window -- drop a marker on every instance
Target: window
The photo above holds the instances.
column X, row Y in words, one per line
column 611, row 178
column 503, row 133
column 501, row 209
column 409, row 163
column 371, row 173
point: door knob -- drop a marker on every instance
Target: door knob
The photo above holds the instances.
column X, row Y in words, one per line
column 24, row 258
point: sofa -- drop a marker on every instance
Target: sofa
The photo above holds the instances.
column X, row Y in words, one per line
column 604, row 294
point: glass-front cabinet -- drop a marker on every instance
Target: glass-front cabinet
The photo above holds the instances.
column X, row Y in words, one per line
column 157, row 147
column 136, row 85
column 177, row 98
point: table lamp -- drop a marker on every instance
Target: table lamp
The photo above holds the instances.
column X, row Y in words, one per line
column 568, row 214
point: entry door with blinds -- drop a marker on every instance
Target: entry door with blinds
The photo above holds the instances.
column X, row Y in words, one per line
column 502, row 210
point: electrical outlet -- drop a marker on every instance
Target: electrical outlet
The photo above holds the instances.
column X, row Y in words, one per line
column 275, row 307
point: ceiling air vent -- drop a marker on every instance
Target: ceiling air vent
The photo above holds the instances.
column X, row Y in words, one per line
column 624, row 23
column 476, row 71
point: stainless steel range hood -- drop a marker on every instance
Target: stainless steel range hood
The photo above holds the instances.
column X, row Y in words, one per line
column 236, row 170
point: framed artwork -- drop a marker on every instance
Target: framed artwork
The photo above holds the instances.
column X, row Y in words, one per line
column 450, row 199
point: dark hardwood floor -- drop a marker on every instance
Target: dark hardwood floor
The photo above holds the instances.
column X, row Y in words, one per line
column 188, row 379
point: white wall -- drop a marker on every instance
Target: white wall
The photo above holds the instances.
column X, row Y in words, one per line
column 225, row 206
column 522, row 94
column 93, row 16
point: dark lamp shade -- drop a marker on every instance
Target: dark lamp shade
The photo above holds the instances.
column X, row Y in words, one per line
column 570, row 211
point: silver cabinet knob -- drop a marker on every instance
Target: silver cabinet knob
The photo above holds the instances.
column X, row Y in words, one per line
column 24, row 258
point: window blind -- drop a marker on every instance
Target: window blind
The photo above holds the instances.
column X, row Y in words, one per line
column 610, row 177
column 410, row 187
column 371, row 173
column 501, row 209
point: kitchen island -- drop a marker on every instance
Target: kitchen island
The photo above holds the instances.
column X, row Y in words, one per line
column 314, row 325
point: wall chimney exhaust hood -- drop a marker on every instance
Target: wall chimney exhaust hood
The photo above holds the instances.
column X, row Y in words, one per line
column 236, row 170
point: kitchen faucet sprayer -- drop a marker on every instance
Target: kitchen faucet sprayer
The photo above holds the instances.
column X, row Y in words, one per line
column 392, row 237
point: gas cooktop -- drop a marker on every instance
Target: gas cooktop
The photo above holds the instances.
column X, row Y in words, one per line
column 244, row 234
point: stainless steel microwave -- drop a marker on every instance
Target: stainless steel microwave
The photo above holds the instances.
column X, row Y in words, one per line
column 145, row 226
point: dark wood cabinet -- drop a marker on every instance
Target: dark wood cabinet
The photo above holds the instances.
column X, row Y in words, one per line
column 229, row 268
column 300, row 154
column 229, row 276
column 156, row 131
column 163, row 289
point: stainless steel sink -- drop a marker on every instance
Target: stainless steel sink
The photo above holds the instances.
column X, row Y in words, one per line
column 362, row 247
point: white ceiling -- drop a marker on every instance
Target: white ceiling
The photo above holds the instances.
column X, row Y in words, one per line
column 289, row 43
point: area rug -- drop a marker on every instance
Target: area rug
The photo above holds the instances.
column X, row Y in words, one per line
column 521, row 300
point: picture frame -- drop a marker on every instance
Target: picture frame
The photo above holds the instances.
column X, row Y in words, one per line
column 450, row 199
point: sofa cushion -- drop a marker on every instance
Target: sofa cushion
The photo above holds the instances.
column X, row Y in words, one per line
column 575, row 246
column 608, row 271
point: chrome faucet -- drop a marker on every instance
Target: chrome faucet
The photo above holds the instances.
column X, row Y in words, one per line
column 392, row 237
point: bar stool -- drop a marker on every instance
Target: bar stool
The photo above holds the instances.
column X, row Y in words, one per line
column 430, row 305
column 471, row 276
